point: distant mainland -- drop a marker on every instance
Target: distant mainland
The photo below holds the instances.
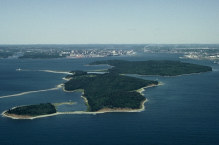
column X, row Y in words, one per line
column 111, row 91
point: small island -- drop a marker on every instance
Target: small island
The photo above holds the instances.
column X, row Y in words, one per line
column 30, row 111
column 110, row 91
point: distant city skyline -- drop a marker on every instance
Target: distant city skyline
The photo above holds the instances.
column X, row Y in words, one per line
column 109, row 22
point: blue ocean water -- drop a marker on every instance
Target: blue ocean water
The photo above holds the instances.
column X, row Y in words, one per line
column 183, row 111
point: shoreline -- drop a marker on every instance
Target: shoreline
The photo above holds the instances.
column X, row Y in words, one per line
column 101, row 111
column 141, row 90
column 104, row 110
column 167, row 76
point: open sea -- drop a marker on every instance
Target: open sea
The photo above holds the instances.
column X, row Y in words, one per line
column 183, row 111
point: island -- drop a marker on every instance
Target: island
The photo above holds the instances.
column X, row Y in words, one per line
column 153, row 67
column 111, row 91
column 29, row 111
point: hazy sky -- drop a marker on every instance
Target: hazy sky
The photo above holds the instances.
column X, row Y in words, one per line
column 108, row 21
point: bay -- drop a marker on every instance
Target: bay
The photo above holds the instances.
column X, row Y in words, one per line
column 184, row 110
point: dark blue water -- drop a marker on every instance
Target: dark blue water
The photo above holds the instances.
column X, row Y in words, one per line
column 183, row 111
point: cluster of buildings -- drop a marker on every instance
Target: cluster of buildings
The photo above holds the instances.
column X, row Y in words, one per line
column 191, row 53
column 63, row 52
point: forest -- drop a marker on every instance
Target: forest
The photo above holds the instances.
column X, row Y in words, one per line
column 153, row 67
column 109, row 90
column 33, row 110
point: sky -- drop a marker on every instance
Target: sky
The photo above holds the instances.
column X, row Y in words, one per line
column 109, row 21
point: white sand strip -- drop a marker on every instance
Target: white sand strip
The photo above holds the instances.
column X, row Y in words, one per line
column 30, row 92
column 57, row 72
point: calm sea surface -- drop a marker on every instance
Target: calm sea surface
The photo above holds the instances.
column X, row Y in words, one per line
column 183, row 111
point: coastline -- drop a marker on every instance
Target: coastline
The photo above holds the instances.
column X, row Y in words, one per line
column 105, row 110
column 141, row 90
column 66, row 79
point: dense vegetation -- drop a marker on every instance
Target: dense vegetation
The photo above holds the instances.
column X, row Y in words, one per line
column 153, row 67
column 33, row 110
column 109, row 90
